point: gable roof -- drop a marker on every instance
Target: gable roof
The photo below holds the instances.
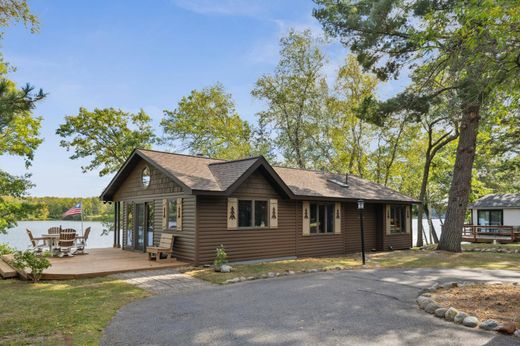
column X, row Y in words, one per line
column 509, row 200
column 201, row 175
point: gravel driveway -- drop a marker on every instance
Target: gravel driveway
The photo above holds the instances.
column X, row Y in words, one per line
column 369, row 307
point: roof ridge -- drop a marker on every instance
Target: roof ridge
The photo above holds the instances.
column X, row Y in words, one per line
column 179, row 154
column 237, row 160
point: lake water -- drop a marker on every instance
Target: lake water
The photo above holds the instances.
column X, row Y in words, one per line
column 436, row 225
column 17, row 236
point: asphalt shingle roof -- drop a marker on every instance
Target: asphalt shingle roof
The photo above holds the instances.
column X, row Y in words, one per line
column 212, row 175
column 509, row 200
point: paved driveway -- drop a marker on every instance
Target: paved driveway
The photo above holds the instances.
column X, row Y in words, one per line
column 365, row 307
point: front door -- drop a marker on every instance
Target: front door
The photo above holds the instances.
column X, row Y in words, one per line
column 139, row 226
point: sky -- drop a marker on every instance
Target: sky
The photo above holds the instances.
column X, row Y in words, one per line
column 137, row 54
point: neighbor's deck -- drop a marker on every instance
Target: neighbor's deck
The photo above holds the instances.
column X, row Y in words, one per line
column 101, row 262
column 488, row 234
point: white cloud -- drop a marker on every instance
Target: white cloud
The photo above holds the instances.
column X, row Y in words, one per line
column 222, row 7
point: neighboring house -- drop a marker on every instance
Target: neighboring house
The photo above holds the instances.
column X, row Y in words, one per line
column 254, row 209
column 496, row 210
column 494, row 218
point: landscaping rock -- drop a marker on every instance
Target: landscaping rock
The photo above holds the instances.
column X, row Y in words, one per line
column 271, row 275
column 517, row 333
column 440, row 312
column 450, row 314
column 251, row 278
column 290, row 272
column 431, row 307
column 450, row 285
column 225, row 268
column 423, row 301
column 459, row 318
column 470, row 321
column 498, row 283
column 232, row 281
column 506, row 328
column 489, row 325
column 313, row 271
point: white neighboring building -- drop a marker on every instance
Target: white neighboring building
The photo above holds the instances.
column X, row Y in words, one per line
column 496, row 210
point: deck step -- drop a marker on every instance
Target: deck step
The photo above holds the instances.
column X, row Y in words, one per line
column 6, row 271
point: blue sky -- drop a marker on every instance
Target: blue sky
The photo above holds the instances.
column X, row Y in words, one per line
column 137, row 54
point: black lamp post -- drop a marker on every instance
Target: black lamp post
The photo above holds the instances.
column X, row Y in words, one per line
column 361, row 206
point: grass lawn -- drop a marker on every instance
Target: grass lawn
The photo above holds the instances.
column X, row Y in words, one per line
column 397, row 259
column 71, row 312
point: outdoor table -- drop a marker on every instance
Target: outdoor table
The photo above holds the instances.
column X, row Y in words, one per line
column 50, row 239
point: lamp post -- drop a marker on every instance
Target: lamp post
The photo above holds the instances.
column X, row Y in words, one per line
column 361, row 206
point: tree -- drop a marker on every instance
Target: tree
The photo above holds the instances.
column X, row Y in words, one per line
column 469, row 48
column 206, row 122
column 107, row 136
column 19, row 129
column 295, row 95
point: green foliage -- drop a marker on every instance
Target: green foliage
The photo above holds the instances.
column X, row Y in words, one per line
column 28, row 259
column 107, row 136
column 296, row 95
column 5, row 249
column 220, row 258
column 17, row 11
column 206, row 122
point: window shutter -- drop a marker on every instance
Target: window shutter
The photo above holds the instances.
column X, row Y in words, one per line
column 273, row 215
column 387, row 219
column 306, row 214
column 408, row 218
column 164, row 214
column 337, row 218
column 179, row 214
column 232, row 213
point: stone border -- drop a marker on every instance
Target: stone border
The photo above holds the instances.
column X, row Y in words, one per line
column 285, row 273
column 451, row 314
column 492, row 249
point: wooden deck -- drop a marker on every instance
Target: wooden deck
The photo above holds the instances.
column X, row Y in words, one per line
column 102, row 262
column 488, row 234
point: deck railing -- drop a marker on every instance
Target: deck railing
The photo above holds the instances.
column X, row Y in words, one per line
column 477, row 233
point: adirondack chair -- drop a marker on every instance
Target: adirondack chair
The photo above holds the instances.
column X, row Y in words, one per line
column 66, row 242
column 81, row 242
column 165, row 247
column 54, row 230
column 37, row 243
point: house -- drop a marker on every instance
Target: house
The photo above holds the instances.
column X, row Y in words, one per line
column 494, row 217
column 257, row 211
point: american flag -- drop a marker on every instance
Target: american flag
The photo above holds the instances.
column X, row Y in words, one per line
column 75, row 210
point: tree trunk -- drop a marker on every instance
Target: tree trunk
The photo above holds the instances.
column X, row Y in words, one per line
column 434, row 239
column 422, row 194
column 461, row 182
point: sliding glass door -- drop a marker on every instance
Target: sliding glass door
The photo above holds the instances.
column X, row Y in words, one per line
column 139, row 226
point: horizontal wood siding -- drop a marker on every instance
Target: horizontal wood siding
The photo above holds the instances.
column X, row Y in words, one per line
column 319, row 244
column 184, row 244
column 244, row 244
column 132, row 187
column 353, row 232
column 401, row 241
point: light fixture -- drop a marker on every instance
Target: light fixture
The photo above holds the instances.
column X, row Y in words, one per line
column 360, row 204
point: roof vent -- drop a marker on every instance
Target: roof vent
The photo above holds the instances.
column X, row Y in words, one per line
column 337, row 182
column 199, row 154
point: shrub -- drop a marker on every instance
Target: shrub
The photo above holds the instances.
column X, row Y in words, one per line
column 221, row 257
column 5, row 249
column 28, row 259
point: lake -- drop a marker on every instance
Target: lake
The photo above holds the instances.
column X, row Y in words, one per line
column 17, row 237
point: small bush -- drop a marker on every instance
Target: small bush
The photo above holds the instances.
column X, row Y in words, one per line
column 5, row 249
column 28, row 259
column 221, row 257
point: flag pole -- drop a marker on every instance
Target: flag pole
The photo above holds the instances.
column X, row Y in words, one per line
column 81, row 209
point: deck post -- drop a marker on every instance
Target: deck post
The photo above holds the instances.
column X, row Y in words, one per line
column 474, row 230
column 116, row 226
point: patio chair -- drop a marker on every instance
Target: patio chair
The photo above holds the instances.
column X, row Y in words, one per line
column 81, row 242
column 54, row 230
column 165, row 247
column 66, row 242
column 37, row 243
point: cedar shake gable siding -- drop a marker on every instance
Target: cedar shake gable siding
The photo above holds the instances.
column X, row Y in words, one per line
column 207, row 185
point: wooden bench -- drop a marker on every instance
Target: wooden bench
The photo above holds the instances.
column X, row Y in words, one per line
column 165, row 247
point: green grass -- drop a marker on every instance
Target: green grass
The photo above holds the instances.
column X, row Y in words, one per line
column 71, row 312
column 398, row 259
column 485, row 245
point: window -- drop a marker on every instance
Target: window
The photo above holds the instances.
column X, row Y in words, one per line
column 397, row 219
column 145, row 177
column 322, row 218
column 172, row 214
column 490, row 217
column 253, row 213
column 129, row 224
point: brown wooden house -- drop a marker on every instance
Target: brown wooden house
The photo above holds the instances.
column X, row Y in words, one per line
column 252, row 208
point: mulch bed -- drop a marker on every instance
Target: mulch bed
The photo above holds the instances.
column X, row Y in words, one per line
column 497, row 302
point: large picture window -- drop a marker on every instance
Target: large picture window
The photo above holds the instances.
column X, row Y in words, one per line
column 490, row 217
column 253, row 213
column 321, row 218
column 397, row 219
column 129, row 224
